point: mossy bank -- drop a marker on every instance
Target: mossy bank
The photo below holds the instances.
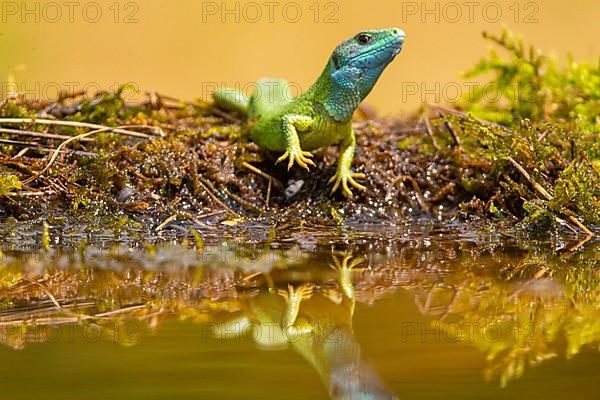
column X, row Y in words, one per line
column 527, row 161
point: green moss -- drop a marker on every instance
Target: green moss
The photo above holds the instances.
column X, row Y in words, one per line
column 107, row 109
column 577, row 190
column 8, row 183
column 528, row 84
column 13, row 110
column 539, row 134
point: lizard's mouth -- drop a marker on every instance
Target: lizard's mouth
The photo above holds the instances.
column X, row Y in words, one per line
column 381, row 55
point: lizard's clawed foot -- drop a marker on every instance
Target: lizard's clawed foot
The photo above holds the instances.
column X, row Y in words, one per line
column 346, row 267
column 348, row 262
column 291, row 295
column 293, row 298
column 301, row 157
column 344, row 177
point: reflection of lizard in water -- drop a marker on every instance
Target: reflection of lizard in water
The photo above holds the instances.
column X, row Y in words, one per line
column 318, row 325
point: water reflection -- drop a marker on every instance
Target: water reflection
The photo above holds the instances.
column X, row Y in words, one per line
column 316, row 321
column 518, row 303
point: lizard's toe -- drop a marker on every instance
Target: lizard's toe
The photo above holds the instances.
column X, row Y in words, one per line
column 297, row 156
column 305, row 291
column 283, row 157
column 303, row 160
column 337, row 181
column 346, row 190
column 356, row 184
column 345, row 180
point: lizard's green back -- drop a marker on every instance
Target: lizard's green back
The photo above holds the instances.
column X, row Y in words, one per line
column 270, row 97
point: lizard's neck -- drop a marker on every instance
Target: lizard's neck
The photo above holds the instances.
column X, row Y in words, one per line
column 340, row 91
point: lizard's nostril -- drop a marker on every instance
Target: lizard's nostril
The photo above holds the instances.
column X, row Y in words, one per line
column 398, row 32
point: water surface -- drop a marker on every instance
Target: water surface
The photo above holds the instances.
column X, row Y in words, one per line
column 415, row 312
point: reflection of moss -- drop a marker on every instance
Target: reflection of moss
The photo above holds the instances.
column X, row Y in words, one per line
column 519, row 307
column 555, row 299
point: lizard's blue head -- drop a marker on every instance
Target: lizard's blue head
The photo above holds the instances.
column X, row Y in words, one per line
column 369, row 50
column 357, row 63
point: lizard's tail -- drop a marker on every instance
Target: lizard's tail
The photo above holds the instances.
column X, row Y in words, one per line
column 231, row 100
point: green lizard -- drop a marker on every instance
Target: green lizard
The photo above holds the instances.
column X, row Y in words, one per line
column 322, row 116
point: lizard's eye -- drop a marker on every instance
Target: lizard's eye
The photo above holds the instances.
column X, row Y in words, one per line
column 336, row 62
column 363, row 38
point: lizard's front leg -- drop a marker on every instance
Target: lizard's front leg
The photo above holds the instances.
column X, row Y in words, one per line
column 344, row 174
column 291, row 125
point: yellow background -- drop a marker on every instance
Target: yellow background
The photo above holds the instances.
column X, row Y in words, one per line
column 176, row 48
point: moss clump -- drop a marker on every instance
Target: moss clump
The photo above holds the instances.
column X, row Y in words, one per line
column 530, row 85
column 8, row 183
column 542, row 134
